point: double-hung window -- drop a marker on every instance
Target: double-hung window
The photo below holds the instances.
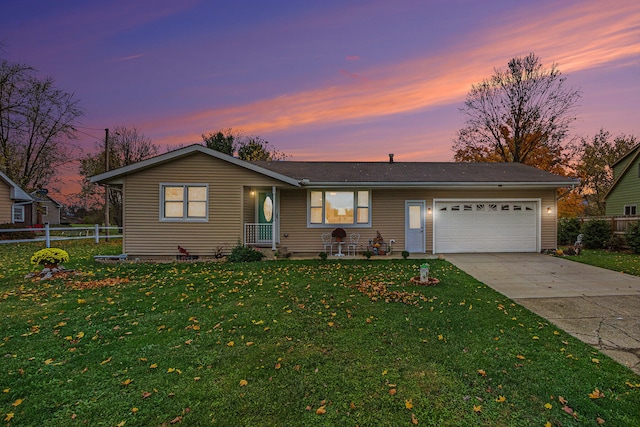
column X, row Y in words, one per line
column 338, row 207
column 630, row 210
column 18, row 213
column 184, row 202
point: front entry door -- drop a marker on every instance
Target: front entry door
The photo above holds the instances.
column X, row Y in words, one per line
column 415, row 226
column 266, row 211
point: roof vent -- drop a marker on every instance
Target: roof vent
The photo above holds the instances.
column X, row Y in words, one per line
column 390, row 157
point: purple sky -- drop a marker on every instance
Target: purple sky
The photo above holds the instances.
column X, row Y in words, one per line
column 330, row 80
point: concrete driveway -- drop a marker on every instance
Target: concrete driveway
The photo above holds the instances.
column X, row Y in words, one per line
column 598, row 306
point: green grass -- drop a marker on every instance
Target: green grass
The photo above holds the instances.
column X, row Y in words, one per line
column 177, row 339
column 617, row 261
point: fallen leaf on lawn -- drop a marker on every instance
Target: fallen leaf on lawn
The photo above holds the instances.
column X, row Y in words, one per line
column 127, row 381
column 567, row 409
column 548, row 405
column 321, row 410
column 521, row 357
column 414, row 420
column 146, row 394
column 547, row 424
column 153, row 366
column 408, row 404
column 196, row 378
column 48, row 361
column 169, row 370
column 278, row 366
column 500, row 399
column 594, row 360
column 392, row 391
column 596, row 394
column 230, row 344
column 249, row 343
column 243, row 383
column 600, row 421
column 535, row 338
column 9, row 416
column 477, row 408
column 121, row 423
column 17, row 402
column 134, row 410
column 176, row 420
column 105, row 361
column 482, row 372
column 562, row 400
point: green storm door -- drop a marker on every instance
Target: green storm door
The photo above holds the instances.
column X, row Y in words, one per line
column 266, row 211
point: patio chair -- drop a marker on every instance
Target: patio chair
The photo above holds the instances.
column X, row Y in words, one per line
column 354, row 238
column 327, row 242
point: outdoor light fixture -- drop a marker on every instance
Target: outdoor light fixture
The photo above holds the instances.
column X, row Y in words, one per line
column 429, row 211
column 548, row 209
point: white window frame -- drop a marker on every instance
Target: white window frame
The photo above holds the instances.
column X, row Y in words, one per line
column 630, row 208
column 17, row 209
column 355, row 224
column 185, row 201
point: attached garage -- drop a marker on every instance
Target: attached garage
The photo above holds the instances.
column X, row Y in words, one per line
column 486, row 226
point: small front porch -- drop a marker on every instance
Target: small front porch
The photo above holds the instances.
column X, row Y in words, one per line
column 261, row 218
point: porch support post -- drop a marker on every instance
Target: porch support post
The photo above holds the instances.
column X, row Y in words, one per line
column 276, row 217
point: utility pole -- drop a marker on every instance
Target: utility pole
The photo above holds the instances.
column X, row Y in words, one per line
column 106, row 187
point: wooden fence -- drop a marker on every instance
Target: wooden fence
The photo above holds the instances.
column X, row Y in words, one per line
column 619, row 224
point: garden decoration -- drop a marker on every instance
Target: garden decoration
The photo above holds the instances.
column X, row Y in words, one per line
column 424, row 279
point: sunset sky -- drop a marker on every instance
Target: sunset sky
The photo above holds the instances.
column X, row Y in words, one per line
column 325, row 80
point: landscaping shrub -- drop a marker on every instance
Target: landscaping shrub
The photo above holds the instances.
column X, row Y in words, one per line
column 596, row 233
column 617, row 242
column 405, row 254
column 242, row 253
column 15, row 235
column 633, row 236
column 568, row 230
column 323, row 256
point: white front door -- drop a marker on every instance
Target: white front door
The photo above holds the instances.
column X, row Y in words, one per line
column 414, row 233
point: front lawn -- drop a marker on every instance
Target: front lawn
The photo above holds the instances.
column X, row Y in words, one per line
column 617, row 261
column 304, row 343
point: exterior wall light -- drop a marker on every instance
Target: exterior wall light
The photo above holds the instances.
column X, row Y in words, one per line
column 548, row 209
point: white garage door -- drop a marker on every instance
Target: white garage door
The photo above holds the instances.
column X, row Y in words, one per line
column 479, row 226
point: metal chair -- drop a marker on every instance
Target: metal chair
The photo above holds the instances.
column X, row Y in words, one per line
column 327, row 242
column 354, row 238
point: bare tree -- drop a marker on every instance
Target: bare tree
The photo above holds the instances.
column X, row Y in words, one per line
column 519, row 115
column 126, row 146
column 36, row 126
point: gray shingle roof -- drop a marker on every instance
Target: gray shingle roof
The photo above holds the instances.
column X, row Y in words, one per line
column 415, row 172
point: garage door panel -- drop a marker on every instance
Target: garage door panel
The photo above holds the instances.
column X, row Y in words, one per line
column 495, row 226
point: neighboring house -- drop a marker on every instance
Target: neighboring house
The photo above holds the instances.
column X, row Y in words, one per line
column 623, row 198
column 204, row 200
column 44, row 208
column 14, row 202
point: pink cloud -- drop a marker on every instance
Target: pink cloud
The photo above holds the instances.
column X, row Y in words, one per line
column 352, row 57
column 577, row 37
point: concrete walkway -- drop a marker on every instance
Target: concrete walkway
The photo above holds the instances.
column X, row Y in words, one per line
column 598, row 306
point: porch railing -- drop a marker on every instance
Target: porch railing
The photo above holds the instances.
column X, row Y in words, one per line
column 258, row 234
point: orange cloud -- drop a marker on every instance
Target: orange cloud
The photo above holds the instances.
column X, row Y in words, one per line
column 577, row 37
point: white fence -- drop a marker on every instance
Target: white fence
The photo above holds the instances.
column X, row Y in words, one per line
column 48, row 234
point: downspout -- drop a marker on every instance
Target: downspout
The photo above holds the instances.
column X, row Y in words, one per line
column 276, row 217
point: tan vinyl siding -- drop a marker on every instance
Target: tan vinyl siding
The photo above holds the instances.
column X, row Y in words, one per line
column 388, row 216
column 626, row 191
column 6, row 204
column 228, row 184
